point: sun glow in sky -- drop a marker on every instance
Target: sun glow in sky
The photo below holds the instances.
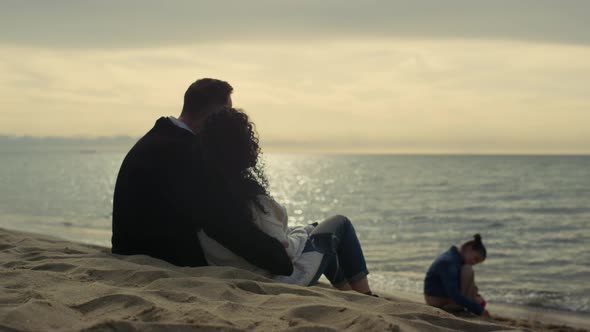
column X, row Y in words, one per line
column 336, row 76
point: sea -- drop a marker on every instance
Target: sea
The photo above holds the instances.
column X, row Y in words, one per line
column 533, row 212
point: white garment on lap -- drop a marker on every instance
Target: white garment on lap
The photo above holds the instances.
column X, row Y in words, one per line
column 304, row 269
column 272, row 221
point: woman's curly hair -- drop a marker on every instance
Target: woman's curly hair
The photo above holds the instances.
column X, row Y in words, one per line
column 230, row 149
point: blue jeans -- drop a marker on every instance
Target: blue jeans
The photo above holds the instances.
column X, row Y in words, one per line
column 343, row 260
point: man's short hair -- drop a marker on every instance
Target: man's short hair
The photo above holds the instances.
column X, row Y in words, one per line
column 204, row 94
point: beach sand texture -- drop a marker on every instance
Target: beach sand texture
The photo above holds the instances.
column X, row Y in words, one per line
column 49, row 284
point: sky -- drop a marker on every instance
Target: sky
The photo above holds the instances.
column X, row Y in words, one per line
column 454, row 76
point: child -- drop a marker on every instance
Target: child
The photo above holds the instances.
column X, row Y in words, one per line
column 450, row 280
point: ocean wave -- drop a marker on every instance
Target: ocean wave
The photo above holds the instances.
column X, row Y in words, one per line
column 463, row 220
column 570, row 301
column 490, row 209
column 554, row 210
column 574, row 302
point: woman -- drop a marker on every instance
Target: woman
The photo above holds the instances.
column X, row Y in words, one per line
column 231, row 153
column 450, row 280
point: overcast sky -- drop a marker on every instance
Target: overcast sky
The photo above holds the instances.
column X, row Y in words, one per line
column 362, row 76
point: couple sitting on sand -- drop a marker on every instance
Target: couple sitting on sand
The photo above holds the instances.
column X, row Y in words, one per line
column 192, row 192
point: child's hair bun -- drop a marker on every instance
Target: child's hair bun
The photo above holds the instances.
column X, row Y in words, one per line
column 477, row 238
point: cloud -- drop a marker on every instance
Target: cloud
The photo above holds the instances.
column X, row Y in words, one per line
column 135, row 23
column 376, row 95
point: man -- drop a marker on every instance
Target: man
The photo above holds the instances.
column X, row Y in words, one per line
column 163, row 195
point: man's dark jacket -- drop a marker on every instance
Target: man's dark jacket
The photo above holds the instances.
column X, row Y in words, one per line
column 164, row 196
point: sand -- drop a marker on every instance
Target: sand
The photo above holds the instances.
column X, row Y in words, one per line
column 49, row 284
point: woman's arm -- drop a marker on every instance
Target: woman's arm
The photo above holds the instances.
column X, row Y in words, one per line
column 223, row 222
column 274, row 222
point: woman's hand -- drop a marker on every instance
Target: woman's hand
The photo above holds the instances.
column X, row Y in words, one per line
column 309, row 228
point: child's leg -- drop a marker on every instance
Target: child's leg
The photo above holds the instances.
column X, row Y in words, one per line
column 468, row 288
column 443, row 303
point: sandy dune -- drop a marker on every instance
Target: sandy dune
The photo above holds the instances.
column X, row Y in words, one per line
column 50, row 284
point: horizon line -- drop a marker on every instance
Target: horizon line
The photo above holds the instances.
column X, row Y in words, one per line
column 282, row 147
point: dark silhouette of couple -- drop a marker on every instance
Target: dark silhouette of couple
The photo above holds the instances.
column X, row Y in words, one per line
column 192, row 192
